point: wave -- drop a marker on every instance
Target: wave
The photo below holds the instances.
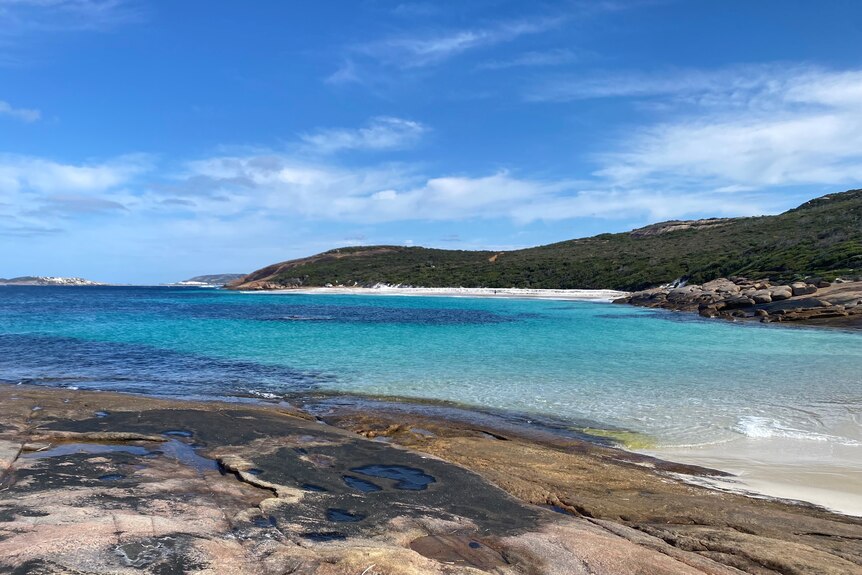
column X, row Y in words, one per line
column 759, row 427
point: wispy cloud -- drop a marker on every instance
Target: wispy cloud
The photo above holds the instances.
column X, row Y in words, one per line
column 381, row 133
column 25, row 23
column 72, row 205
column 534, row 59
column 23, row 114
column 23, row 16
column 419, row 50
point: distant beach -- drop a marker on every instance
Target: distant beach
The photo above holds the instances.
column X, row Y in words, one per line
column 605, row 295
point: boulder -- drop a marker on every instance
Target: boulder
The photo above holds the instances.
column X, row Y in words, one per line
column 778, row 293
column 802, row 288
column 762, row 296
column 738, row 302
column 721, row 285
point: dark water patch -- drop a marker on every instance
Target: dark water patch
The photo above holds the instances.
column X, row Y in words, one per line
column 474, row 545
column 324, row 536
column 59, row 361
column 361, row 484
column 254, row 471
column 407, row 478
column 556, row 509
column 369, row 313
column 111, row 477
column 178, row 433
column 343, row 516
column 621, row 316
column 314, row 488
column 101, row 414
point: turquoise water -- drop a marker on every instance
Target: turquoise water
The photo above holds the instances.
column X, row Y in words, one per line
column 675, row 377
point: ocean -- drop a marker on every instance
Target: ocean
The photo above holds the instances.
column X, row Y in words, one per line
column 674, row 378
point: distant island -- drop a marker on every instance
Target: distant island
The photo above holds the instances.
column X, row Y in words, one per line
column 820, row 239
column 47, row 281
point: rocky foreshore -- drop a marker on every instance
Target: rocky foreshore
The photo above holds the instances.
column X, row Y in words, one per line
column 814, row 301
column 96, row 482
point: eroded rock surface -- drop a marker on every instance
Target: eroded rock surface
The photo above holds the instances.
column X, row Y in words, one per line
column 106, row 483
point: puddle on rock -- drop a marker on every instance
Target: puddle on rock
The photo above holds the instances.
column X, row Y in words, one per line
column 324, row 536
column 409, row 478
column 186, row 454
column 312, row 487
column 361, row 484
column 178, row 433
column 343, row 516
column 87, row 448
column 182, row 452
column 111, row 477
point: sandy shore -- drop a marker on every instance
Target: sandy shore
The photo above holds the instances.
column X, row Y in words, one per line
column 781, row 467
column 551, row 294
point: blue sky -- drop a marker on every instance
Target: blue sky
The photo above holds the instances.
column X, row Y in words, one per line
column 145, row 141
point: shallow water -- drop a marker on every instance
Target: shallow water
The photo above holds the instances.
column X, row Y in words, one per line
column 679, row 379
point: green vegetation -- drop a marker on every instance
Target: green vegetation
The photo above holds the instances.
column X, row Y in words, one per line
column 822, row 238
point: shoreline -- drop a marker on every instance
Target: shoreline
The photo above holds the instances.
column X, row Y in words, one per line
column 772, row 468
column 89, row 479
column 767, row 468
column 604, row 295
column 740, row 466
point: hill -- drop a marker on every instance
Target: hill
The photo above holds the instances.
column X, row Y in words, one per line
column 821, row 238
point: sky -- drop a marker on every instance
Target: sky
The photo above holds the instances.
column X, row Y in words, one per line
column 147, row 141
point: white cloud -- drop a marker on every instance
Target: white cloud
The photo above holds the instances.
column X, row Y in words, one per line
column 286, row 188
column 23, row 114
column 381, row 133
column 39, row 195
column 763, row 127
column 35, row 174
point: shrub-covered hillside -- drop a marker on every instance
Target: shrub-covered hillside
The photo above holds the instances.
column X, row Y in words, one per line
column 821, row 238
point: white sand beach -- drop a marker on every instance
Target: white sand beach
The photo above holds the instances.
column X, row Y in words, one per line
column 604, row 295
column 823, row 473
